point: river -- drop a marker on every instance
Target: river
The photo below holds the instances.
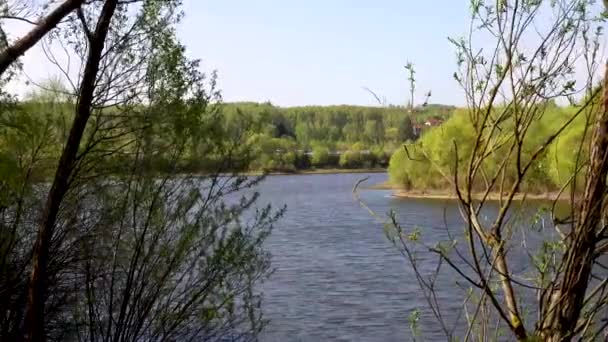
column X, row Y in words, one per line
column 338, row 277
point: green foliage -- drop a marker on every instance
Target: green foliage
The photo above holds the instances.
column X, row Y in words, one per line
column 272, row 153
column 338, row 129
column 143, row 248
column 374, row 133
column 30, row 140
column 414, row 319
column 562, row 158
column 439, row 144
column 320, row 156
column 405, row 131
column 422, row 164
column 351, row 160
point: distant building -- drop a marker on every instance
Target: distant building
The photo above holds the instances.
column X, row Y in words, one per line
column 432, row 122
column 428, row 123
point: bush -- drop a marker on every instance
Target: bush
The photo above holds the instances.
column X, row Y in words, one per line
column 320, row 156
column 302, row 161
column 351, row 159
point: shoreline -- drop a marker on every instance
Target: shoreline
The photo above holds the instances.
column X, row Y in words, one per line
column 314, row 172
column 493, row 196
column 399, row 192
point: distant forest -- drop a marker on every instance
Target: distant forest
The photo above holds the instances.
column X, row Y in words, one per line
column 261, row 136
column 297, row 138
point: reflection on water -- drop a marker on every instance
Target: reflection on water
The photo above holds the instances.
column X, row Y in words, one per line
column 338, row 278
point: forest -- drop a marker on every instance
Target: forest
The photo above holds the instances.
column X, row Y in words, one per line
column 300, row 138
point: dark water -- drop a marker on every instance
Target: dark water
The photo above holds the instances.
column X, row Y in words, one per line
column 338, row 278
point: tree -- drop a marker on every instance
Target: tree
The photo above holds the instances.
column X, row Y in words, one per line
column 136, row 252
column 320, row 156
column 37, row 288
column 509, row 91
column 303, row 132
column 411, row 71
column 351, row 159
column 10, row 53
column 378, row 156
column 373, row 131
column 180, row 264
column 30, row 141
column 351, row 132
column 405, row 130
column 391, row 134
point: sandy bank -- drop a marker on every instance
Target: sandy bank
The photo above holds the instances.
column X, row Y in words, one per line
column 449, row 194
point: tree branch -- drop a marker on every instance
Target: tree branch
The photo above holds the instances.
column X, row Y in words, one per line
column 46, row 24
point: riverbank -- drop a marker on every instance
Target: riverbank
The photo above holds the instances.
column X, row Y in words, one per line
column 315, row 172
column 493, row 196
column 449, row 194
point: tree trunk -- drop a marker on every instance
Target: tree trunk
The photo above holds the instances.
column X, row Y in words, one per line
column 34, row 319
column 14, row 51
column 567, row 301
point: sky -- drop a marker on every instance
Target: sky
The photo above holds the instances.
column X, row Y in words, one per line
column 323, row 52
column 316, row 52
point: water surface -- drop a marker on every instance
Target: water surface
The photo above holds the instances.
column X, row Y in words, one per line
column 338, row 278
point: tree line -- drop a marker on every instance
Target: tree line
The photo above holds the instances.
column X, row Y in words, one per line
column 325, row 136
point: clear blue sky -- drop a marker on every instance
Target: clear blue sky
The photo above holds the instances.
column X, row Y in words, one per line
column 324, row 51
